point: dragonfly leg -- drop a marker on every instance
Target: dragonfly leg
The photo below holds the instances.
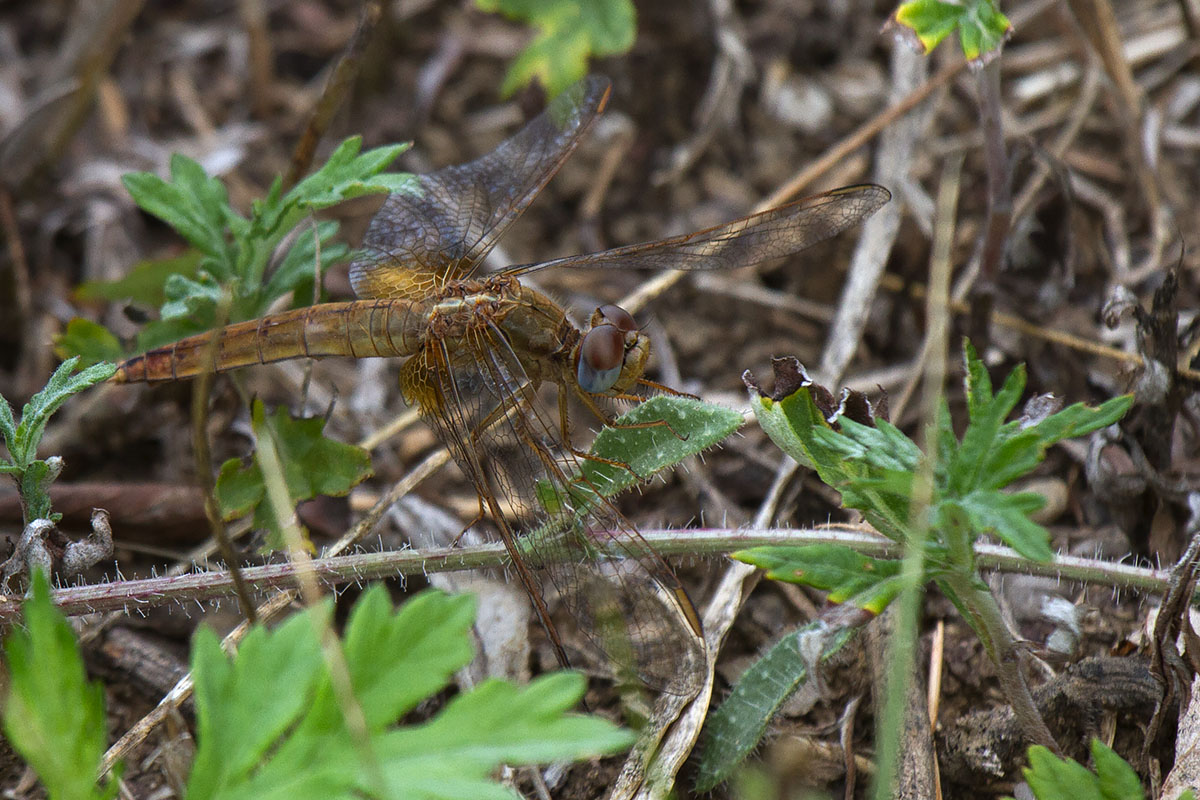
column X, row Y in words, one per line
column 662, row 387
column 609, row 422
column 479, row 515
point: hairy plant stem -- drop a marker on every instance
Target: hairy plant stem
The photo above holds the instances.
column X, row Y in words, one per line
column 1005, row 655
column 340, row 570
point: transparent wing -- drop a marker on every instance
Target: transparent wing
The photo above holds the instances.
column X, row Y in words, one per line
column 624, row 599
column 777, row 232
column 444, row 228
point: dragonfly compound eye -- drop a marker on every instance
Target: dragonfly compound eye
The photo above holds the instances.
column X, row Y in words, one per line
column 618, row 317
column 601, row 356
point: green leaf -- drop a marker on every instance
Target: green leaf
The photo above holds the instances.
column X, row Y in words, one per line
column 987, row 415
column 1117, row 780
column 192, row 203
column 736, row 727
column 496, row 723
column 981, row 27
column 233, row 252
column 839, row 570
column 33, row 484
column 348, row 174
column 242, row 706
column 23, row 443
column 313, row 465
column 930, row 20
column 296, row 268
column 1052, row 778
column 794, row 423
column 1007, row 516
column 432, row 653
column 8, row 425
column 569, row 33
column 192, row 299
column 90, row 341
column 255, row 741
column 144, row 282
column 52, row 716
column 689, row 427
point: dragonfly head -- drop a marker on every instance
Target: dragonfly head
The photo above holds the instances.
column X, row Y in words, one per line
column 613, row 352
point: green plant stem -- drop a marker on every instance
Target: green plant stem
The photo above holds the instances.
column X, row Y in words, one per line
column 341, row 570
column 1005, row 655
column 201, row 390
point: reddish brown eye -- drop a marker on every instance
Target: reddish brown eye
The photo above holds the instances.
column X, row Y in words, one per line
column 618, row 317
column 601, row 355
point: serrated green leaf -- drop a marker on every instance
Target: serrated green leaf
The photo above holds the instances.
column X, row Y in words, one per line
column 493, row 724
column 569, row 33
column 883, row 446
column 433, row 653
column 690, row 427
column 62, row 384
column 1053, row 778
column 90, row 341
column 348, row 174
column 1007, row 516
column 246, row 704
column 235, row 250
column 987, row 415
column 195, row 205
column 839, row 570
column 303, row 747
column 52, row 716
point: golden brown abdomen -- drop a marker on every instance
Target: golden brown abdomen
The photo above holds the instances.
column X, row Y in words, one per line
column 362, row 328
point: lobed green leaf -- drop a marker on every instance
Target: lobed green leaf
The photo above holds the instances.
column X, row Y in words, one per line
column 37, row 412
column 569, row 33
column 312, row 464
column 296, row 743
column 1053, row 778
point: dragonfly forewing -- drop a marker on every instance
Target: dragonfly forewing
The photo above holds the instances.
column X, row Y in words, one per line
column 778, row 232
column 443, row 229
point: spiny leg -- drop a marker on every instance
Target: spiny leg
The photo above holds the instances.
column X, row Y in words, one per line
column 608, row 422
column 612, row 423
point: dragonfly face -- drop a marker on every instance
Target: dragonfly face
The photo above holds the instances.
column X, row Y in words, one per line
column 612, row 355
column 479, row 346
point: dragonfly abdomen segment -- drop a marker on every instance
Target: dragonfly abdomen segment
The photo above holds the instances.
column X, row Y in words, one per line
column 361, row 329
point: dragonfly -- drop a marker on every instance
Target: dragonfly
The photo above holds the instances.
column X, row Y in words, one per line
column 480, row 345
